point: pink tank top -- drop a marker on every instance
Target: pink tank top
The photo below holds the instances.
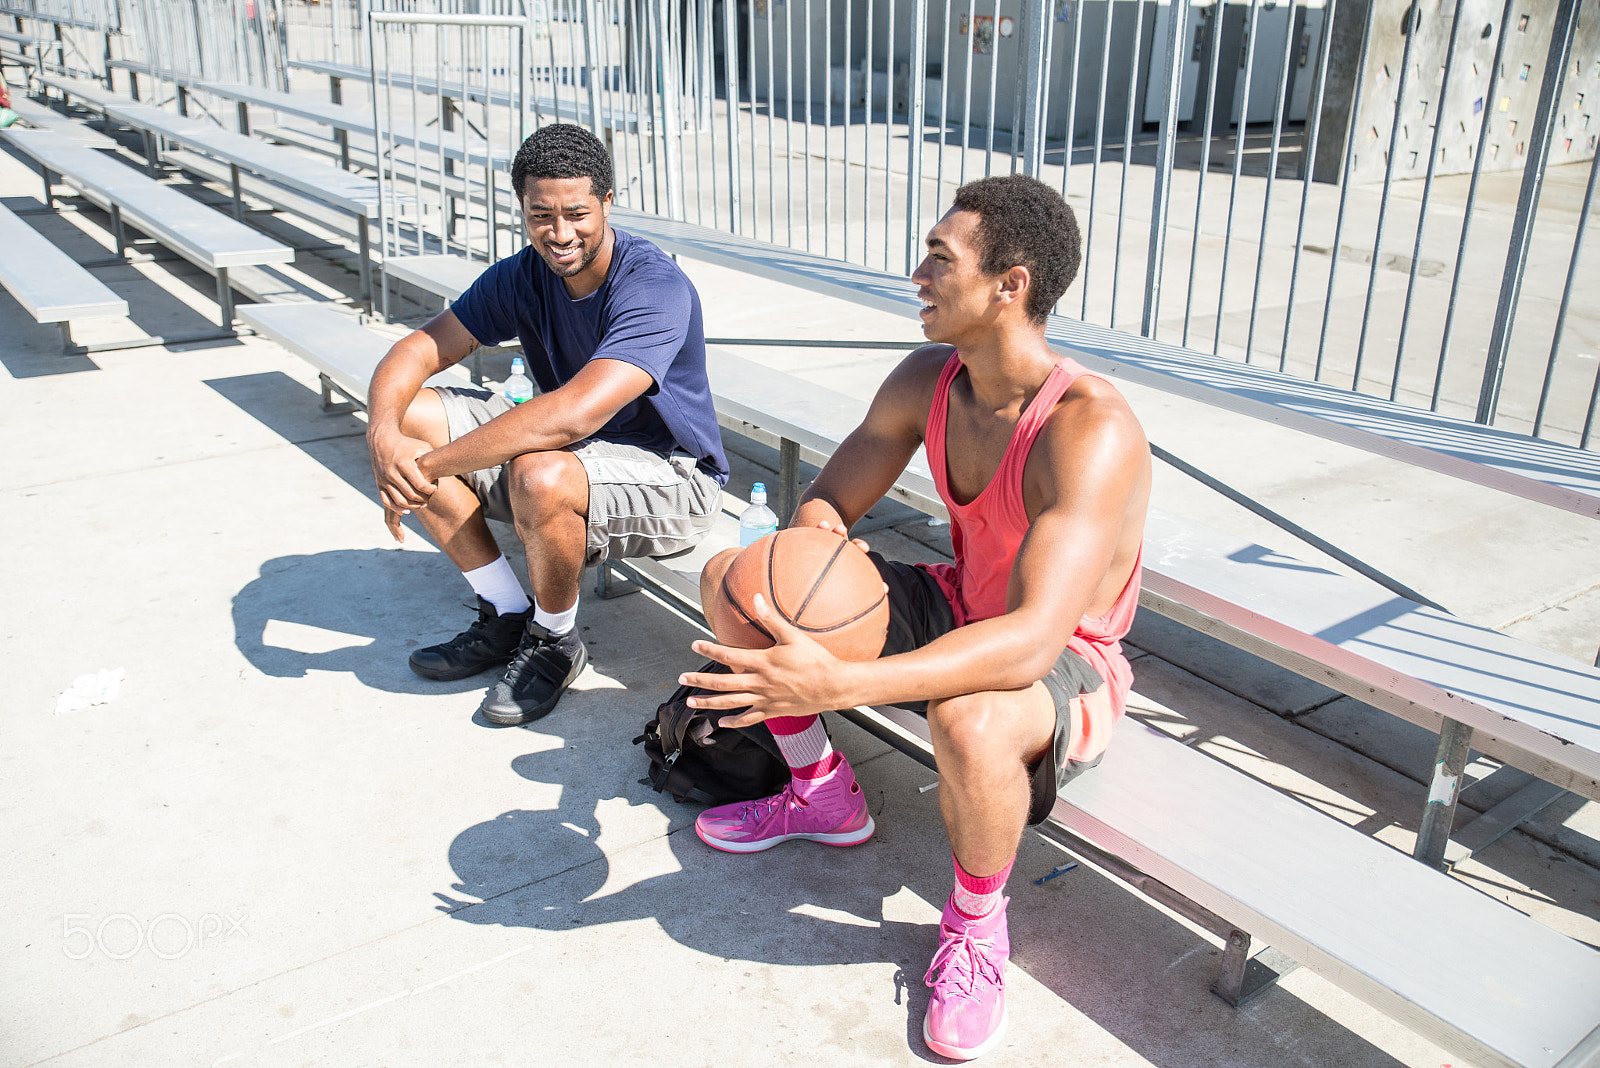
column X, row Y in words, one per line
column 988, row 531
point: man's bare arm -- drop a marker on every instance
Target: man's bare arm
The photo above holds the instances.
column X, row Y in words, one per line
column 411, row 361
column 867, row 462
column 549, row 421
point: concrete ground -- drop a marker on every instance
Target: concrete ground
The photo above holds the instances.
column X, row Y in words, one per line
column 275, row 845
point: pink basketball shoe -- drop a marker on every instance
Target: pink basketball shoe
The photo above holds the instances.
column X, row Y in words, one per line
column 967, row 1010
column 831, row 810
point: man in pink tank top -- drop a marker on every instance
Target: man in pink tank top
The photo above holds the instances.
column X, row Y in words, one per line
column 1013, row 652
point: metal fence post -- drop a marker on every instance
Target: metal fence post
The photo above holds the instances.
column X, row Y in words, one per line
column 730, row 86
column 915, row 122
column 670, row 122
column 1036, row 27
column 1177, row 31
column 591, row 63
column 1533, row 168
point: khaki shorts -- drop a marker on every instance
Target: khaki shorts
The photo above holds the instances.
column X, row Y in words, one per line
column 919, row 613
column 640, row 502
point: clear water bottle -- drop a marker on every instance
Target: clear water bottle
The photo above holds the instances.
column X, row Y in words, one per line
column 519, row 387
column 758, row 520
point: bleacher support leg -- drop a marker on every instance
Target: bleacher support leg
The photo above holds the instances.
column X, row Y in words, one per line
column 107, row 59
column 133, row 85
column 224, row 298
column 66, row 336
column 119, row 233
column 788, row 479
column 364, row 236
column 183, row 101
column 1455, row 742
column 49, row 192
column 244, row 118
column 1244, row 977
column 238, row 194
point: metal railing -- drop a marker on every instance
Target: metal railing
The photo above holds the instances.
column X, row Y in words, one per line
column 1297, row 183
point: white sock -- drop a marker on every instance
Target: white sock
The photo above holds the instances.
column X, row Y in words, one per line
column 557, row 623
column 496, row 583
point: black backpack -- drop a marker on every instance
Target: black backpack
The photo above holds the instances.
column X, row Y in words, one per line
column 693, row 759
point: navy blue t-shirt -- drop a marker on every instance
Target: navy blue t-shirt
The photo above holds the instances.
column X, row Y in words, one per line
column 646, row 313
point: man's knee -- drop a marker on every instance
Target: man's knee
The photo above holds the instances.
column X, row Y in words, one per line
column 543, row 484
column 711, row 577
column 987, row 729
column 425, row 419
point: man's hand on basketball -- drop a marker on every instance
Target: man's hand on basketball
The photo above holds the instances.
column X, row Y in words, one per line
column 401, row 484
column 795, row 677
column 843, row 532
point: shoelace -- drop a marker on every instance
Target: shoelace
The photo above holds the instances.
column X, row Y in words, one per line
column 963, row 959
column 757, row 810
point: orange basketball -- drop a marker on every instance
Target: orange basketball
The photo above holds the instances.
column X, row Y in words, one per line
column 818, row 581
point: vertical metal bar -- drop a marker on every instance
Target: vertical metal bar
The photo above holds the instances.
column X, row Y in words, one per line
column 224, row 299
column 1566, row 292
column 1307, row 167
column 755, row 181
column 994, row 85
column 1472, row 198
column 1344, row 185
column 1076, row 15
column 888, row 129
column 1099, row 149
column 969, row 50
column 827, row 121
column 806, row 146
column 1533, row 168
column 238, row 195
column 867, row 69
column 1036, row 31
column 1127, row 155
column 849, row 58
column 1238, row 160
column 788, row 123
column 1455, row 741
column 772, row 158
column 730, row 80
column 788, row 479
column 591, row 63
column 1272, row 176
column 944, row 110
column 1411, row 19
column 916, row 122
column 671, row 116
column 1177, row 30
column 1422, row 210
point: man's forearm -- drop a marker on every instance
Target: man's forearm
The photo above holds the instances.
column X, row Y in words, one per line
column 994, row 654
column 537, row 425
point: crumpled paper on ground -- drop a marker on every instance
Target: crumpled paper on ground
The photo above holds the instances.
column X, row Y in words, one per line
column 87, row 690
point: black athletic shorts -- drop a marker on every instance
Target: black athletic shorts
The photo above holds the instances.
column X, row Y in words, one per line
column 919, row 613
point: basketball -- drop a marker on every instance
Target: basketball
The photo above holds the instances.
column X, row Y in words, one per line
column 821, row 583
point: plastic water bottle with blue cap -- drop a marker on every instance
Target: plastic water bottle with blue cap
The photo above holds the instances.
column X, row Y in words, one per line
column 519, row 387
column 758, row 520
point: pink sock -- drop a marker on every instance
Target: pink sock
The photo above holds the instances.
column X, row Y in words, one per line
column 804, row 744
column 975, row 898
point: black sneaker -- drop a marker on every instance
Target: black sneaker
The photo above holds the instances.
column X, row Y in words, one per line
column 540, row 672
column 490, row 642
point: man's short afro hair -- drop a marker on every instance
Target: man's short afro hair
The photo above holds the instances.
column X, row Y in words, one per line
column 562, row 150
column 1023, row 222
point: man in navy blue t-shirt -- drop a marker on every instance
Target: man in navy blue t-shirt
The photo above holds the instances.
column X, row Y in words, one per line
column 619, row 454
